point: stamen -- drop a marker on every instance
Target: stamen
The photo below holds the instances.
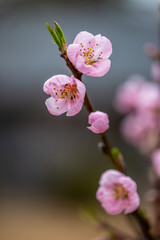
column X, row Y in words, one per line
column 88, row 54
column 120, row 192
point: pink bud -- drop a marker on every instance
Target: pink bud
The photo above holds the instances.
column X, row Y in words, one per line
column 99, row 122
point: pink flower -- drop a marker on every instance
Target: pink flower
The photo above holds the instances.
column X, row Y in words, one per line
column 155, row 69
column 89, row 54
column 67, row 95
column 128, row 93
column 140, row 129
column 156, row 161
column 136, row 127
column 117, row 193
column 99, row 122
column 149, row 98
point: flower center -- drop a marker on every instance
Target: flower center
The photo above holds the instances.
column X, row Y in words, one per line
column 88, row 54
column 67, row 92
column 120, row 192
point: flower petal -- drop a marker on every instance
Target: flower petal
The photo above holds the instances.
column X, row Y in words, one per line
column 96, row 115
column 101, row 125
column 104, row 46
column 83, row 37
column 72, row 51
column 110, row 177
column 128, row 184
column 52, row 107
column 76, row 108
column 100, row 68
column 133, row 203
column 113, row 206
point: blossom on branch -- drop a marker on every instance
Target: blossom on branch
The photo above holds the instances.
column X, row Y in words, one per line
column 141, row 100
column 89, row 54
column 127, row 95
column 67, row 95
column 117, row 193
column 99, row 122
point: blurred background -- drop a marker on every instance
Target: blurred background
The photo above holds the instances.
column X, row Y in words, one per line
column 50, row 165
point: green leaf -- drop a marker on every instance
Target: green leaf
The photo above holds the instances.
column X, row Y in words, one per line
column 54, row 35
column 58, row 36
column 59, row 32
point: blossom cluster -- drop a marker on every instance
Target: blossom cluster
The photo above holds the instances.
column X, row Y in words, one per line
column 140, row 100
column 89, row 55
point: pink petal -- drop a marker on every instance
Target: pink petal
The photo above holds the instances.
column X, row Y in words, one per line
column 133, row 203
column 110, row 177
column 104, row 46
column 99, row 126
column 76, row 108
column 81, row 66
column 83, row 37
column 96, row 115
column 52, row 107
column 114, row 206
column 72, row 51
column 100, row 68
column 58, row 80
column 81, row 89
column 93, row 129
column 128, row 184
column 62, row 79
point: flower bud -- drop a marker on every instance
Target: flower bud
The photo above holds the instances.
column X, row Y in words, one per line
column 99, row 122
